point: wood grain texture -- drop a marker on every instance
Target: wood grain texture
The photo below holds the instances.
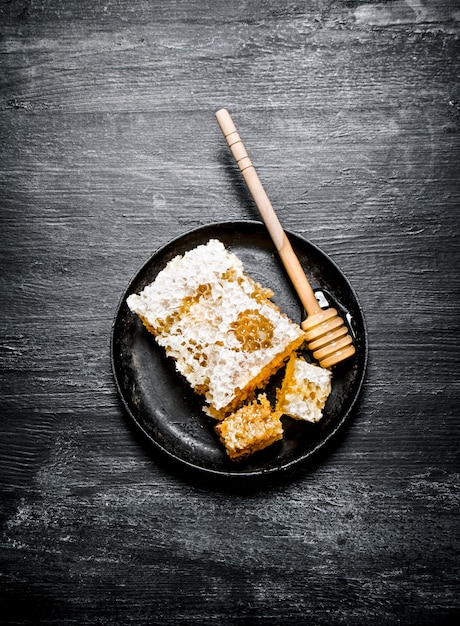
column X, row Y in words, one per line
column 350, row 112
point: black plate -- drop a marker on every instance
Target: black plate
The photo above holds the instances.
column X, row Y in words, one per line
column 169, row 413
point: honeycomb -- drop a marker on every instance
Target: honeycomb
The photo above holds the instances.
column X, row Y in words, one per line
column 221, row 328
column 304, row 391
column 253, row 427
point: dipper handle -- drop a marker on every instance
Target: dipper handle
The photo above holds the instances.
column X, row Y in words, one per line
column 267, row 212
column 326, row 334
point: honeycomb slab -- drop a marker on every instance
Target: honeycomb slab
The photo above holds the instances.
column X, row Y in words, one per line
column 220, row 326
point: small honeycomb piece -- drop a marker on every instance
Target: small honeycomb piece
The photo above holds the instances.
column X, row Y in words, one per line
column 304, row 390
column 226, row 336
column 253, row 427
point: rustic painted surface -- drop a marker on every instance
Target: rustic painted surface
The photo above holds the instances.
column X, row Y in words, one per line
column 109, row 149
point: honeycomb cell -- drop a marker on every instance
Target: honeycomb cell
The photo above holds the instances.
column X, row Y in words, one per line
column 253, row 330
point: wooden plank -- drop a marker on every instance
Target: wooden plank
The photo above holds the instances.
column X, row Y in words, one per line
column 350, row 112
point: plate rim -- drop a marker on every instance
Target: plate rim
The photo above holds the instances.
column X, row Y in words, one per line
column 241, row 474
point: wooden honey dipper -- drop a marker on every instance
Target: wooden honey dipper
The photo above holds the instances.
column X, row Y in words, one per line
column 326, row 334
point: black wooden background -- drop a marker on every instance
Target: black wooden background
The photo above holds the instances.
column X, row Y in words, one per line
column 109, row 149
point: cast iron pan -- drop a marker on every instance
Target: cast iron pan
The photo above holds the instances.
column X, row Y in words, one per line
column 169, row 414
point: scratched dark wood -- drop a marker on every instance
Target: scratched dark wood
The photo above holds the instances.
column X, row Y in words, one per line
column 109, row 148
